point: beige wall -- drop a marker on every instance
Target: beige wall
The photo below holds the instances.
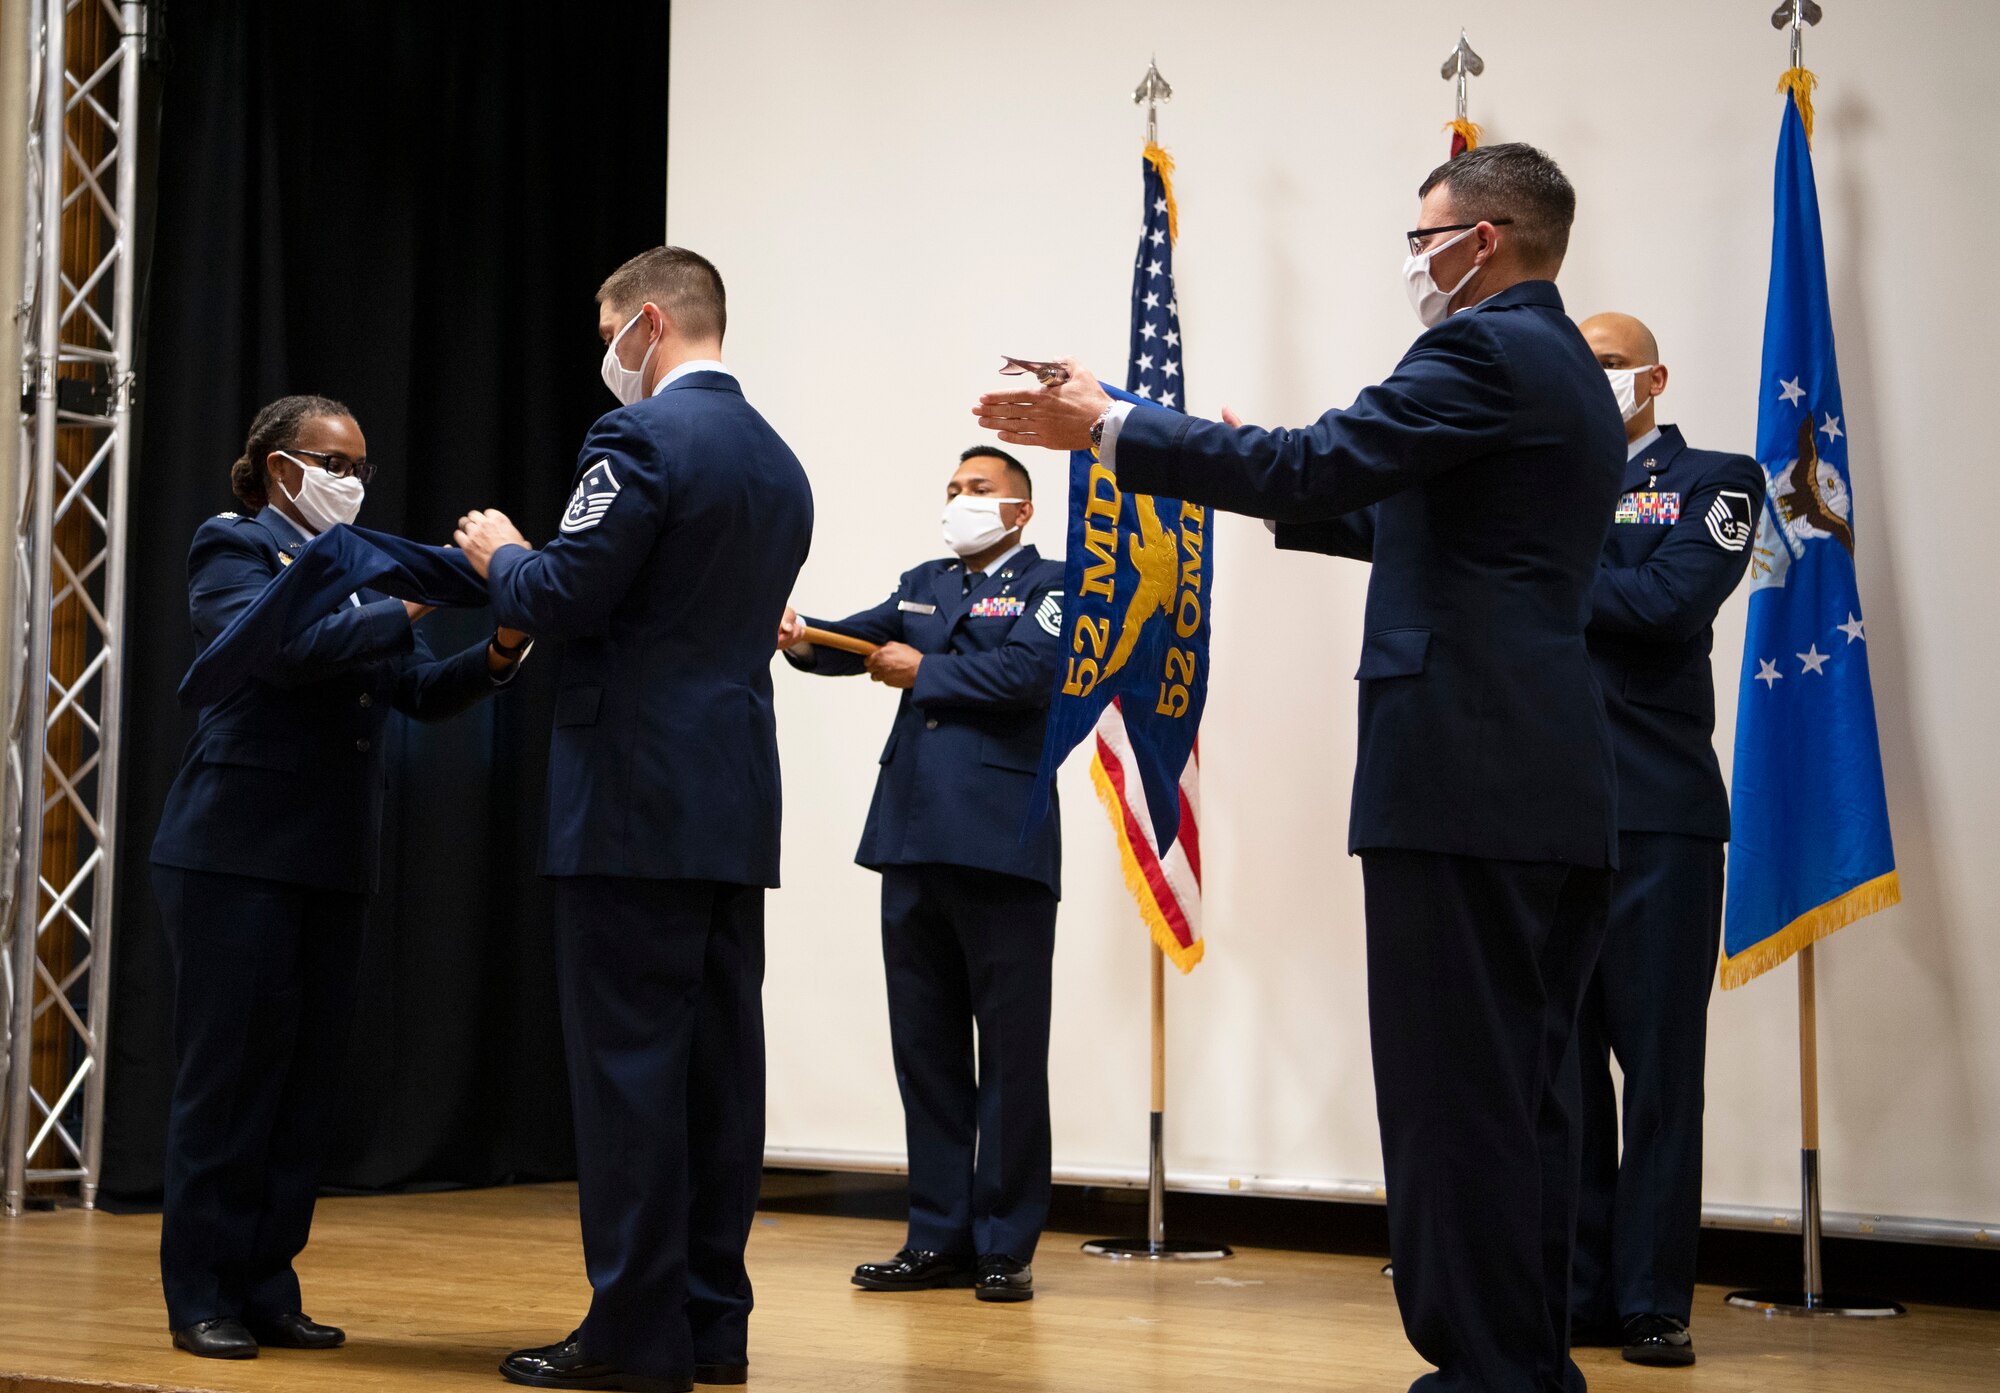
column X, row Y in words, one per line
column 900, row 191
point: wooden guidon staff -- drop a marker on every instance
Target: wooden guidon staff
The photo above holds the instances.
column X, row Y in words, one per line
column 828, row 639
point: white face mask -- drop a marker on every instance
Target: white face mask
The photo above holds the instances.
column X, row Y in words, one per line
column 972, row 525
column 1625, row 387
column 323, row 500
column 1431, row 304
column 626, row 384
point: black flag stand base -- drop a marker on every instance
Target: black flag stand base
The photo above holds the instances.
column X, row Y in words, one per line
column 1156, row 1246
column 1811, row 1299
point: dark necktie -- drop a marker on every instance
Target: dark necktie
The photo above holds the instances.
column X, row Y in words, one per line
column 972, row 578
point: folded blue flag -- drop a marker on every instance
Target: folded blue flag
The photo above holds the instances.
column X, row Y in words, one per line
column 332, row 566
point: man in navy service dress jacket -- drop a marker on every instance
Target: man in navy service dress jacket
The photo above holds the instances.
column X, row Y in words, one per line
column 1480, row 478
column 968, row 903
column 1680, row 542
column 666, row 580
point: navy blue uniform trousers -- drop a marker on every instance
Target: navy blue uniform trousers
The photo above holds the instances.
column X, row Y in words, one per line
column 264, row 981
column 661, row 991
column 1476, row 969
column 965, row 947
column 1639, row 1219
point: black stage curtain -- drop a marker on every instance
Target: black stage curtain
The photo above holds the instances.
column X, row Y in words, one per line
column 408, row 208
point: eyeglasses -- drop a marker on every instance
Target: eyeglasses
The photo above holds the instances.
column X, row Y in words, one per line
column 1417, row 234
column 340, row 466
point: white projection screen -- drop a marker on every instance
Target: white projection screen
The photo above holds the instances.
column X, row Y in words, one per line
column 899, row 192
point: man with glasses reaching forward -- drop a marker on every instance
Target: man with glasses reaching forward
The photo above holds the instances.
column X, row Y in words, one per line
column 1478, row 478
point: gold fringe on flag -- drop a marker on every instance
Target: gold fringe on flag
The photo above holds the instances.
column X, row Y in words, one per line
column 1164, row 163
column 1181, row 957
column 1467, row 131
column 1811, row 927
column 1800, row 83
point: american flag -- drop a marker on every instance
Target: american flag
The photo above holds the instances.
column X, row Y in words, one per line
column 1167, row 887
column 1154, row 371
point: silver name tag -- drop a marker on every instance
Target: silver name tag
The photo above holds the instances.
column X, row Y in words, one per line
column 912, row 607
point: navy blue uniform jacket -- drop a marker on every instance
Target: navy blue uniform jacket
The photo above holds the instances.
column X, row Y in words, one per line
column 1491, row 458
column 961, row 757
column 1680, row 541
column 667, row 582
column 284, row 777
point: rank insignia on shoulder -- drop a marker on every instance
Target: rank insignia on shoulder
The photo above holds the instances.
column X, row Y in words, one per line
column 231, row 516
column 1049, row 615
column 1729, row 520
column 595, row 492
column 1000, row 607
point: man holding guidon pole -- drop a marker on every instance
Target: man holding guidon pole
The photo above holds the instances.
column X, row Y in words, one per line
column 968, row 899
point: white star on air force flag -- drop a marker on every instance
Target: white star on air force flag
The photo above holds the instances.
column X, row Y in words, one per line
column 595, row 492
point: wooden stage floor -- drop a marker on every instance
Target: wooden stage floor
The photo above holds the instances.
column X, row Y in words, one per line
column 434, row 1289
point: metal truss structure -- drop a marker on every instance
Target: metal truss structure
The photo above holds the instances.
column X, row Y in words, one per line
column 65, row 638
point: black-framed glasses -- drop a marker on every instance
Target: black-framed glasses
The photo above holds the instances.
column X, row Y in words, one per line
column 1417, row 234
column 340, row 466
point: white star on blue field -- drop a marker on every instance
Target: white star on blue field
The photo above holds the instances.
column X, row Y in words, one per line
column 1153, row 371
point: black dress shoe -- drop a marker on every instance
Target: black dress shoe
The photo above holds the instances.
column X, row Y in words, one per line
column 913, row 1269
column 565, row 1365
column 1001, row 1278
column 217, row 1339
column 295, row 1331
column 1660, row 1341
column 722, row 1373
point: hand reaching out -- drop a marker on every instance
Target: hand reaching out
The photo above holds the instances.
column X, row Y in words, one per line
column 1057, row 415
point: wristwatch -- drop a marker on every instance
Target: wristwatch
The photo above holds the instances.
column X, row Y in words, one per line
column 1097, row 430
column 512, row 656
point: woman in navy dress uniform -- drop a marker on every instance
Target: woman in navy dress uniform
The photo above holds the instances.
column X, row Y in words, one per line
column 267, row 851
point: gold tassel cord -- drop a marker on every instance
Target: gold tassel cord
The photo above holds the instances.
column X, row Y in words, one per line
column 1467, row 130
column 1811, row 927
column 1798, row 83
column 1164, row 163
column 1182, row 957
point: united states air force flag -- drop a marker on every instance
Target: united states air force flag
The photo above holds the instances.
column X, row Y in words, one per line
column 1810, row 851
column 1138, row 584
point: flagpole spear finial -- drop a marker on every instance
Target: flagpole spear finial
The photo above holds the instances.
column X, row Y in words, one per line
column 1795, row 15
column 1152, row 90
column 1462, row 64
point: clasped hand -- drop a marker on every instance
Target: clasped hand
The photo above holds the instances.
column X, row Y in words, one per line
column 484, row 531
column 895, row 665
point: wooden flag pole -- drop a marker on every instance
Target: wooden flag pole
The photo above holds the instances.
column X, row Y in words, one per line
column 826, row 638
column 1156, row 1176
column 1811, row 1299
column 1155, row 1245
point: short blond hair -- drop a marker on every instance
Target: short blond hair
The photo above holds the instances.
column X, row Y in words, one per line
column 683, row 283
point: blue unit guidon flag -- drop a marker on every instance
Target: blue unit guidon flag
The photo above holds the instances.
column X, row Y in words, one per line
column 1137, row 579
column 1810, row 851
